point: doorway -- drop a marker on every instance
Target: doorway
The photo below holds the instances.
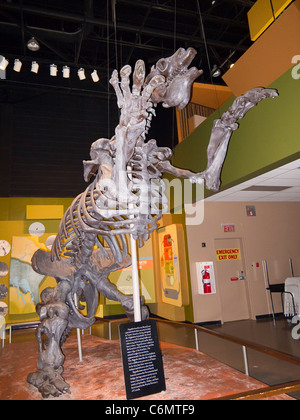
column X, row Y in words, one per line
column 231, row 279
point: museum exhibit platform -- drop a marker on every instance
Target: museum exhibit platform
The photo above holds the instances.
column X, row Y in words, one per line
column 189, row 374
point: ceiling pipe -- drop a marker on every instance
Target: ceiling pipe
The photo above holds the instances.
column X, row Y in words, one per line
column 121, row 26
column 185, row 12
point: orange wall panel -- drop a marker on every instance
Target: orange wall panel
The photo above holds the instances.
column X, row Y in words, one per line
column 270, row 56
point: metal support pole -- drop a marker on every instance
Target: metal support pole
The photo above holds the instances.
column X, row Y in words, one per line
column 268, row 280
column 78, row 333
column 291, row 267
column 196, row 339
column 109, row 330
column 3, row 336
column 135, row 282
column 79, row 344
column 245, row 360
column 134, row 266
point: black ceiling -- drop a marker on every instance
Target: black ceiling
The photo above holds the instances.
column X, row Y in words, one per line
column 107, row 34
column 48, row 123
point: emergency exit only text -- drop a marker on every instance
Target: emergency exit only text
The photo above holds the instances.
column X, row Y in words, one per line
column 228, row 254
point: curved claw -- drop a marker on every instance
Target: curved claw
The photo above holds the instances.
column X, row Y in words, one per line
column 125, row 73
column 114, row 81
column 155, row 82
column 114, row 78
column 138, row 77
column 49, row 382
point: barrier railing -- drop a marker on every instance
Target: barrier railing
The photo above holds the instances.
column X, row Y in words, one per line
column 264, row 392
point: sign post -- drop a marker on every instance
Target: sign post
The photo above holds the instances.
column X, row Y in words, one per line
column 135, row 282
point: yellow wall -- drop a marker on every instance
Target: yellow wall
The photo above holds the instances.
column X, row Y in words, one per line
column 13, row 222
column 160, row 308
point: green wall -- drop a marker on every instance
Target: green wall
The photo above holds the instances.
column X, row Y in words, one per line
column 268, row 137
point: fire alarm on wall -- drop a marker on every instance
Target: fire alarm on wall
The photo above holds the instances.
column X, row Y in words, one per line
column 250, row 210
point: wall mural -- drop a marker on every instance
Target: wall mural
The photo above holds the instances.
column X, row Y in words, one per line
column 3, row 269
column 24, row 283
column 3, row 309
column 3, row 291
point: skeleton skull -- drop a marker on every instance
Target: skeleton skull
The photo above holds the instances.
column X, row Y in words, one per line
column 176, row 90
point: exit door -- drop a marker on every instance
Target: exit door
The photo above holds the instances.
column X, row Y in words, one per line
column 231, row 278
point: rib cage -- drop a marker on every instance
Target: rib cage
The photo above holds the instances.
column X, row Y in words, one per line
column 87, row 218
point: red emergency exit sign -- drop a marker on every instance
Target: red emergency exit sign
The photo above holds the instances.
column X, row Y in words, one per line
column 228, row 227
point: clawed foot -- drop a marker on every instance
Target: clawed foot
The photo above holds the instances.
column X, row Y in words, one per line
column 212, row 182
column 49, row 382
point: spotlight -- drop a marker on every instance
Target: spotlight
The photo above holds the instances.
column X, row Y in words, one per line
column 81, row 74
column 17, row 65
column 66, row 72
column 3, row 63
column 33, row 45
column 216, row 72
column 34, row 67
column 53, row 70
column 95, row 76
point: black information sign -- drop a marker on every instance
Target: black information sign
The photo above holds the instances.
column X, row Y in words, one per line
column 142, row 359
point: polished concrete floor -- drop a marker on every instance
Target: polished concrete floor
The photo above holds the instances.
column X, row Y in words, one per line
column 276, row 335
column 264, row 368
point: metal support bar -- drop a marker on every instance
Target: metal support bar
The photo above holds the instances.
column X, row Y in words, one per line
column 109, row 330
column 135, row 282
column 268, row 280
column 291, row 267
column 78, row 332
column 245, row 360
column 196, row 339
column 79, row 344
column 3, row 335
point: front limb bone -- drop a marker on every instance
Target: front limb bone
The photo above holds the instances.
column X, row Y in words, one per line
column 166, row 166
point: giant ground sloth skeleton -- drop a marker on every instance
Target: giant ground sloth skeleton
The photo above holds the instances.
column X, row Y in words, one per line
column 91, row 241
